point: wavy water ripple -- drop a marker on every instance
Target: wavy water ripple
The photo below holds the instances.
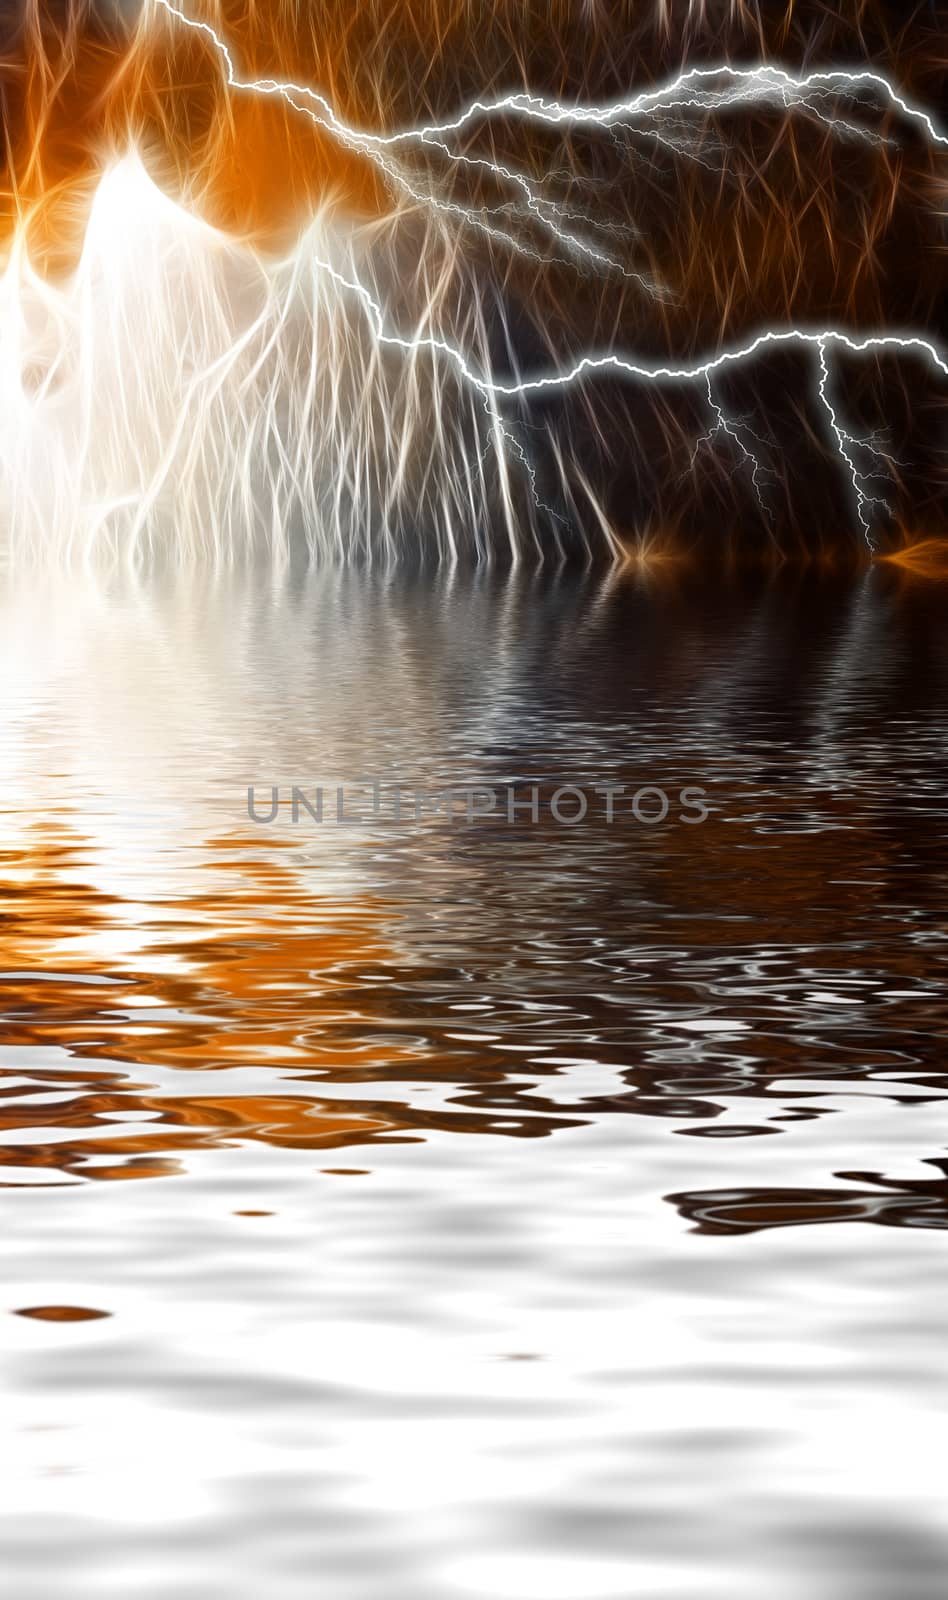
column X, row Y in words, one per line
column 609, row 1346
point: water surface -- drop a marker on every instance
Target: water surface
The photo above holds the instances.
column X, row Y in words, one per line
column 418, row 1208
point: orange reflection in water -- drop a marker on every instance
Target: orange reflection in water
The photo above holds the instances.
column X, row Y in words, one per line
column 242, row 984
column 266, row 983
column 326, row 1031
column 176, row 982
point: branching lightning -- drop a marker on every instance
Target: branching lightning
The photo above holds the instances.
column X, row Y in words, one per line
column 295, row 414
column 711, row 88
column 724, row 424
column 846, row 444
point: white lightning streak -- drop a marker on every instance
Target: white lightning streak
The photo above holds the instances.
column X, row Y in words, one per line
column 373, row 146
column 612, row 361
column 746, row 85
column 723, row 424
column 716, row 88
column 548, row 214
column 765, row 80
column 845, row 444
column 761, row 80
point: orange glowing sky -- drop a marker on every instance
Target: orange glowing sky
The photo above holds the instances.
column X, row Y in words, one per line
column 75, row 95
column 81, row 79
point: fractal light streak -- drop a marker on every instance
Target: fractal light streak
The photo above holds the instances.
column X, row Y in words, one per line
column 181, row 390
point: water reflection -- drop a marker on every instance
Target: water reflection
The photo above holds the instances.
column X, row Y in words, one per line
column 734, row 1031
column 177, row 976
column 910, row 1204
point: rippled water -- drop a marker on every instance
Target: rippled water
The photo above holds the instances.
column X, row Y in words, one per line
column 420, row 1208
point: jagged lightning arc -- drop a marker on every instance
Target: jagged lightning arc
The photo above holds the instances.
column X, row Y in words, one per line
column 714, row 88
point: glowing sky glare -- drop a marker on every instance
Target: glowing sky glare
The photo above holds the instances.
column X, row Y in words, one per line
column 181, row 395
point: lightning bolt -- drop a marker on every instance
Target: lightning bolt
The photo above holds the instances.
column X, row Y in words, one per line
column 727, row 87
column 615, row 362
column 551, row 218
column 737, row 85
column 702, row 89
column 846, row 444
column 723, row 424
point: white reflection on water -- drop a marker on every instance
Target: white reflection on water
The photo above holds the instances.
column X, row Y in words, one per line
column 496, row 1212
